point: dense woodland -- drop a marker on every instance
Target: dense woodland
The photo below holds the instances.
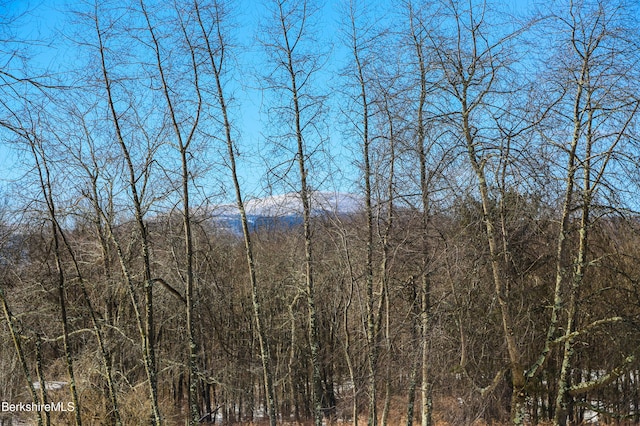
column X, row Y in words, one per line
column 490, row 275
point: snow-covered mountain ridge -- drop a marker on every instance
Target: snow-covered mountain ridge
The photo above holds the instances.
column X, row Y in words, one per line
column 285, row 210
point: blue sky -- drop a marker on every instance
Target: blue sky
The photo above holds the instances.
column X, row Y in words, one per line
column 47, row 24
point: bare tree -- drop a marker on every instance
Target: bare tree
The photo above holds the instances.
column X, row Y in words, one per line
column 600, row 106
column 16, row 337
column 361, row 39
column 296, row 65
column 210, row 21
column 471, row 65
column 137, row 180
column 184, row 133
column 418, row 35
column 44, row 176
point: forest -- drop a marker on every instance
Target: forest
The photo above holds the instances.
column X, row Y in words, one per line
column 485, row 272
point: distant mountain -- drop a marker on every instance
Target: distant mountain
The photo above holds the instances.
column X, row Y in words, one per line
column 284, row 211
column 291, row 204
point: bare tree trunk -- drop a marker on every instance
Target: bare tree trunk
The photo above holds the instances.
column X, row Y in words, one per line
column 598, row 104
column 92, row 174
column 358, row 46
column 292, row 24
column 385, row 235
column 184, row 140
column 217, row 62
column 292, row 357
column 146, row 327
column 41, row 379
column 16, row 337
column 345, row 323
column 42, row 168
column 560, row 412
column 418, row 37
column 471, row 71
column 518, row 408
column 98, row 329
column 416, row 336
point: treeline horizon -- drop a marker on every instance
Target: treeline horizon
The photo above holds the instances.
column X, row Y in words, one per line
column 490, row 275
